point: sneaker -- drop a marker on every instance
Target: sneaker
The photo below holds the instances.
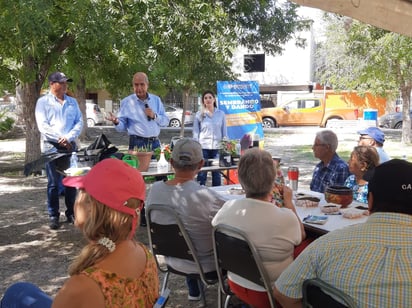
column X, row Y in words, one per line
column 54, row 223
column 70, row 219
column 193, row 286
column 194, row 298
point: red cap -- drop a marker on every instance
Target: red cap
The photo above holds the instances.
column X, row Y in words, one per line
column 112, row 182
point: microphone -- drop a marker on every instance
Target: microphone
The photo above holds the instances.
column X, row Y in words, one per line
column 146, row 105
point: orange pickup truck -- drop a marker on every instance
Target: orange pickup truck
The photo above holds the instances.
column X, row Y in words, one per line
column 306, row 111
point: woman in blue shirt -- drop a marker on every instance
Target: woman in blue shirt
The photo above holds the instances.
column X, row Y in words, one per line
column 209, row 128
column 361, row 159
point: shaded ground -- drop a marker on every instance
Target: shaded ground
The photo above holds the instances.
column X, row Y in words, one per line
column 30, row 251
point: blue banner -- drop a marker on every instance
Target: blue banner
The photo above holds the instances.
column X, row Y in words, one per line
column 240, row 100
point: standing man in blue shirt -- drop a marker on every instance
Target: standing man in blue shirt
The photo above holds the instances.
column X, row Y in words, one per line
column 60, row 122
column 141, row 115
column 331, row 170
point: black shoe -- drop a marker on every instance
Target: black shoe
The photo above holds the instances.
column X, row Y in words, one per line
column 54, row 223
column 70, row 219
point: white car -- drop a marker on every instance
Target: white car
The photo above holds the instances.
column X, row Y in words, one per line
column 94, row 115
column 175, row 116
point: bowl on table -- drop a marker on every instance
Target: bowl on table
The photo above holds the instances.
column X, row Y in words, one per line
column 339, row 194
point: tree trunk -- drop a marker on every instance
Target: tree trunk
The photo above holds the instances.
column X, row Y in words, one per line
column 81, row 99
column 27, row 95
column 406, row 119
column 186, row 93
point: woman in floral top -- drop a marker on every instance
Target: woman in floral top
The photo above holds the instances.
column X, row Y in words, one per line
column 362, row 159
column 113, row 269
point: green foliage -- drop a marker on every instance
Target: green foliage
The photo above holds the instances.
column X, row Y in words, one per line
column 106, row 42
column 181, row 44
column 147, row 148
column 6, row 123
column 364, row 58
column 266, row 24
column 166, row 151
column 360, row 57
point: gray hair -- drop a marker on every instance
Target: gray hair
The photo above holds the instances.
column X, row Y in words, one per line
column 140, row 75
column 256, row 172
column 328, row 137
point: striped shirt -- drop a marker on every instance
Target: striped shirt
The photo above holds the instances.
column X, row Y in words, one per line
column 335, row 173
column 371, row 262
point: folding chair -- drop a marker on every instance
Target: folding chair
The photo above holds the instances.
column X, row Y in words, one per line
column 319, row 294
column 235, row 253
column 172, row 240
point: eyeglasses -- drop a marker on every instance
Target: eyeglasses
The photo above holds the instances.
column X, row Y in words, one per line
column 362, row 138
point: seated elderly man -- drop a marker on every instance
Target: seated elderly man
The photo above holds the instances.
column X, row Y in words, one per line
column 371, row 262
column 373, row 136
column 331, row 170
column 274, row 231
column 195, row 204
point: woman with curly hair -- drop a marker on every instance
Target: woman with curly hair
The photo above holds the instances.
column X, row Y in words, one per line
column 361, row 160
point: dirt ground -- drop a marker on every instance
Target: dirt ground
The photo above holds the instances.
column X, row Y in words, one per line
column 30, row 251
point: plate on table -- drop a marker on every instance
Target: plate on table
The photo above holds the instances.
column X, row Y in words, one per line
column 236, row 191
column 306, row 200
column 77, row 171
column 330, row 208
column 353, row 213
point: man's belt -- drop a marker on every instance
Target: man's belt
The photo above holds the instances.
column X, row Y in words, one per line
column 151, row 139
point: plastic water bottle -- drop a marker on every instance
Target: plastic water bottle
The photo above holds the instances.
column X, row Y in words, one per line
column 238, row 148
column 73, row 160
column 162, row 164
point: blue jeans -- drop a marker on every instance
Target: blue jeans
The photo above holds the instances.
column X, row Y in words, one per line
column 23, row 295
column 202, row 176
column 53, row 180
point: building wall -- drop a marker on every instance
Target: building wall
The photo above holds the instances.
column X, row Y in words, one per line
column 294, row 66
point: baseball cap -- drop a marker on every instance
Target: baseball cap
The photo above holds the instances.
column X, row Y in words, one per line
column 391, row 182
column 59, row 77
column 187, row 151
column 112, row 182
column 375, row 133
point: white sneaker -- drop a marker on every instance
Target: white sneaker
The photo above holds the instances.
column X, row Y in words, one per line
column 194, row 298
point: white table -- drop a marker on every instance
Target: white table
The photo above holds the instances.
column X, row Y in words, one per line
column 223, row 170
column 334, row 222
